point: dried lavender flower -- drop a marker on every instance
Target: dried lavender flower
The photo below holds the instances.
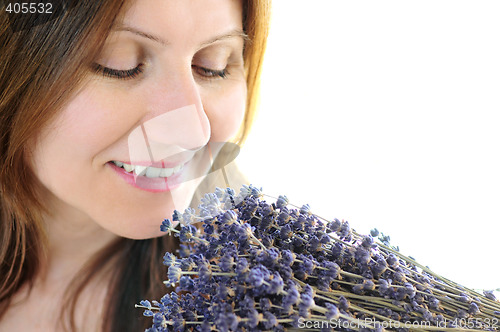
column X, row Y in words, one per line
column 257, row 266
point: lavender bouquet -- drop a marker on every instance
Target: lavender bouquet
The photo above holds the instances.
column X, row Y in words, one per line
column 267, row 266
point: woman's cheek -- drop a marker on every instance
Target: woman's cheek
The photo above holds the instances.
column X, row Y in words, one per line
column 226, row 110
column 97, row 117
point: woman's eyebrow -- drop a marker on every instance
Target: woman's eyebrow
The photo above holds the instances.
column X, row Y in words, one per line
column 163, row 42
column 230, row 34
column 141, row 34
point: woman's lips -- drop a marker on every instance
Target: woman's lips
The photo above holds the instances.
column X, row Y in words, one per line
column 151, row 184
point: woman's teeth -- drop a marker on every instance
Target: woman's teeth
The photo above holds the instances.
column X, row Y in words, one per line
column 150, row 172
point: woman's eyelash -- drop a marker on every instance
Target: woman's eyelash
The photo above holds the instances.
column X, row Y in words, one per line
column 115, row 73
column 211, row 73
column 132, row 73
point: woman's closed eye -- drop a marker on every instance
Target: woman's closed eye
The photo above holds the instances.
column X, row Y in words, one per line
column 205, row 73
column 116, row 73
column 208, row 73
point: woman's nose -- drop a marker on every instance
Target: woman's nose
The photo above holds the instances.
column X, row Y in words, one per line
column 175, row 124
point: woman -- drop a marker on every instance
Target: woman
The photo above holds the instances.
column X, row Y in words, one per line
column 107, row 114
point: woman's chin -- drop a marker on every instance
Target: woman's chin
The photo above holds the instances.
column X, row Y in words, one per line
column 147, row 230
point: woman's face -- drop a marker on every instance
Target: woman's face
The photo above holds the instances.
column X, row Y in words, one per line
column 169, row 83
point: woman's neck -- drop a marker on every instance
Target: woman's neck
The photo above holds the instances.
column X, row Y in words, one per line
column 73, row 239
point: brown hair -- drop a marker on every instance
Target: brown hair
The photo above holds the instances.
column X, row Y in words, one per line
column 40, row 67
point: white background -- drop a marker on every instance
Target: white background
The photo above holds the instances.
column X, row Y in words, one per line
column 386, row 114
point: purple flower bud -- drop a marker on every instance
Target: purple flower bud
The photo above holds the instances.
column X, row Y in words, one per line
column 189, row 216
column 399, row 277
column 222, row 292
column 489, row 294
column 286, row 272
column 226, row 262
column 158, row 319
column 245, row 232
column 232, row 321
column 433, row 303
column 307, row 289
column 464, row 298
column 357, row 289
column 368, row 285
column 332, row 270
column 383, row 286
column 313, row 244
column 165, row 225
column 305, row 305
column 380, row 266
column 146, row 303
column 393, row 261
column 298, row 225
column 308, row 264
column 333, row 226
column 287, row 257
column 228, row 217
column 473, row 309
column 268, row 257
column 187, row 264
column 286, row 232
column 333, row 312
column 248, row 302
column 291, row 298
column 362, row 256
column 395, row 316
column 174, row 274
column 407, row 307
column 462, row 314
column 267, row 240
column 345, row 231
column 336, row 251
column 325, row 239
column 323, row 284
column 265, row 304
column 400, row 294
column 253, row 318
column 305, row 209
column 428, row 316
column 204, row 273
column 343, row 303
column 257, row 275
column 208, row 229
column 410, row 290
column 187, row 232
column 281, row 202
column 269, row 320
column 295, row 320
column 283, row 218
column 276, row 284
column 176, row 216
column 169, row 259
column 367, row 242
column 186, row 283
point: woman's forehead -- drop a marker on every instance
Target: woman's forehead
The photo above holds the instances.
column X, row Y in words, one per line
column 192, row 21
